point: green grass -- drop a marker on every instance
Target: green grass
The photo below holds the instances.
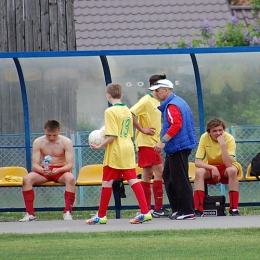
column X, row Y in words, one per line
column 170, row 244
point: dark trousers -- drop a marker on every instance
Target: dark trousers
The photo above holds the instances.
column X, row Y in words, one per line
column 176, row 182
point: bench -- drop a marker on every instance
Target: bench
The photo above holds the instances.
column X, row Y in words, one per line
column 18, row 171
column 13, row 176
column 248, row 177
column 12, row 171
column 91, row 175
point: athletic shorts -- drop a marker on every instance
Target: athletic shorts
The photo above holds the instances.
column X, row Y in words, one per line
column 113, row 174
column 148, row 157
column 53, row 177
column 223, row 180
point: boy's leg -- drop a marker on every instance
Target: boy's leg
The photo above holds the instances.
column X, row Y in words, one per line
column 147, row 175
column 29, row 196
column 70, row 193
column 148, row 194
column 28, row 193
column 106, row 193
column 158, row 194
column 233, row 184
column 139, row 194
column 69, row 198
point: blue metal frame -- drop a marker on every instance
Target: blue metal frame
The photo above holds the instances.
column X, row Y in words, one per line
column 106, row 69
column 103, row 57
column 199, row 94
column 25, row 113
column 128, row 52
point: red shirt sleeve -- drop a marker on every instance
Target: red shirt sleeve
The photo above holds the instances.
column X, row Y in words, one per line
column 175, row 119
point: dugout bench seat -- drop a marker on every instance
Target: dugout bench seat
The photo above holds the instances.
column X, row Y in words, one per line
column 248, row 177
column 8, row 174
column 14, row 174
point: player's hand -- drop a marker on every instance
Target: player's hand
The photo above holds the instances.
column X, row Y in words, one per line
column 95, row 147
column 149, row 131
column 222, row 139
column 46, row 171
column 215, row 174
column 54, row 171
column 159, row 147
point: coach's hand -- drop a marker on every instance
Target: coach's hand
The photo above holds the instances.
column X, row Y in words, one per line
column 159, row 147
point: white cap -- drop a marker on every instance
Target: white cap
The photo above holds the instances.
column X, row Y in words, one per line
column 162, row 83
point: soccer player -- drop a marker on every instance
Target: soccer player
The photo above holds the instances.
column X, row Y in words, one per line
column 215, row 160
column 148, row 127
column 119, row 158
column 60, row 149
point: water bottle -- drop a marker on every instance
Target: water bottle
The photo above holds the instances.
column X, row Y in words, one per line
column 47, row 160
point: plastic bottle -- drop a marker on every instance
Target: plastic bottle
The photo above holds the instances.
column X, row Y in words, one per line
column 47, row 160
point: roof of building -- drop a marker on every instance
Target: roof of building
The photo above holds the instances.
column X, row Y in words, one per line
column 143, row 24
column 243, row 14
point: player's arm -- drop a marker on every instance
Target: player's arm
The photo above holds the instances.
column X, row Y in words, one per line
column 199, row 163
column 36, row 156
column 175, row 119
column 201, row 154
column 107, row 141
column 148, row 130
column 226, row 157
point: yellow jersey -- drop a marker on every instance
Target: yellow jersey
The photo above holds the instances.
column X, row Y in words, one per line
column 119, row 153
column 210, row 150
column 148, row 116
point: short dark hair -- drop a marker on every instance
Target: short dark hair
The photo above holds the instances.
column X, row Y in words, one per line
column 155, row 78
column 215, row 122
column 52, row 125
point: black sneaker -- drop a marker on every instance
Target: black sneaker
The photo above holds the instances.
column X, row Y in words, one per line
column 161, row 213
column 234, row 212
column 198, row 213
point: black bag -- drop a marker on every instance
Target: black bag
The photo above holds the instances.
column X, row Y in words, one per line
column 119, row 187
column 214, row 206
column 255, row 166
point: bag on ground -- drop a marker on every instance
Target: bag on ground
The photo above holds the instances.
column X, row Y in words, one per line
column 214, row 206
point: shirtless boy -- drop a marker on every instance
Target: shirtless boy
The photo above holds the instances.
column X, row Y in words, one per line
column 60, row 148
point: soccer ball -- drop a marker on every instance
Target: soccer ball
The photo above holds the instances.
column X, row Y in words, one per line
column 96, row 137
column 102, row 129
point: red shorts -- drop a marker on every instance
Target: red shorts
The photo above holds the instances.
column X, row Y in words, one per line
column 113, row 174
column 148, row 157
column 53, row 177
column 221, row 169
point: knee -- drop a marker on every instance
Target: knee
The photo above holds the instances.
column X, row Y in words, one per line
column 70, row 179
column 200, row 174
column 27, row 180
column 232, row 173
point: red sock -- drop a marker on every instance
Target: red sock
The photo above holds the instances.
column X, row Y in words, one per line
column 28, row 197
column 69, row 201
column 139, row 194
column 158, row 194
column 199, row 199
column 233, row 199
column 147, row 193
column 106, row 193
